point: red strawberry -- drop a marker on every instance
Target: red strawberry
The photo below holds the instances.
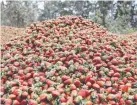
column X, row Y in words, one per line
column 89, row 84
column 84, row 93
column 135, row 97
column 116, row 75
column 96, row 86
column 111, row 102
column 49, row 82
column 43, row 97
column 110, row 97
column 17, row 64
column 89, row 103
column 16, row 102
column 129, row 102
column 125, row 88
column 87, row 79
column 55, row 93
column 50, row 89
column 109, row 90
column 114, row 78
column 122, row 101
column 115, row 68
column 61, row 90
column 108, row 83
column 73, row 87
column 24, row 94
column 8, row 102
column 32, row 102
column 23, row 102
column 68, row 81
column 64, row 77
column 62, row 100
column 12, row 96
column 81, row 68
column 101, row 83
column 43, row 103
column 28, row 75
column 77, row 83
column 114, row 61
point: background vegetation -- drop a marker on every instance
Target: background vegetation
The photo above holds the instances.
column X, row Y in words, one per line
column 117, row 16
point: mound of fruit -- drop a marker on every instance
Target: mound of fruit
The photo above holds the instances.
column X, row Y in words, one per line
column 69, row 61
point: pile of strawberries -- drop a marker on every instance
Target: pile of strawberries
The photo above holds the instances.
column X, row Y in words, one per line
column 69, row 61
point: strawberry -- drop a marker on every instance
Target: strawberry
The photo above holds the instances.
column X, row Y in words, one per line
column 73, row 87
column 89, row 103
column 115, row 68
column 17, row 64
column 55, row 93
column 28, row 75
column 77, row 83
column 100, row 83
column 89, row 84
column 97, row 59
column 89, row 79
column 68, row 81
column 125, row 88
column 135, row 97
column 81, row 68
column 32, row 102
column 96, row 86
column 49, row 82
column 64, row 77
column 63, row 100
column 23, row 102
column 16, row 102
column 61, row 90
column 43, row 97
column 114, row 61
column 50, row 89
column 24, row 94
column 8, row 102
column 43, row 103
column 110, row 97
column 109, row 90
column 84, row 93
column 129, row 102
column 121, row 101
column 116, row 75
column 108, row 83
column 12, row 96
column 112, row 102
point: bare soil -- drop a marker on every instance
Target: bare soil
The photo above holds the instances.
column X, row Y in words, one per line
column 8, row 33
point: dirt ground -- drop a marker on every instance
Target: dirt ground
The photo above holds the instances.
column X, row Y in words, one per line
column 8, row 33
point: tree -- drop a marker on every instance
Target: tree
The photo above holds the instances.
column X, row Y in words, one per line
column 104, row 7
column 18, row 13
